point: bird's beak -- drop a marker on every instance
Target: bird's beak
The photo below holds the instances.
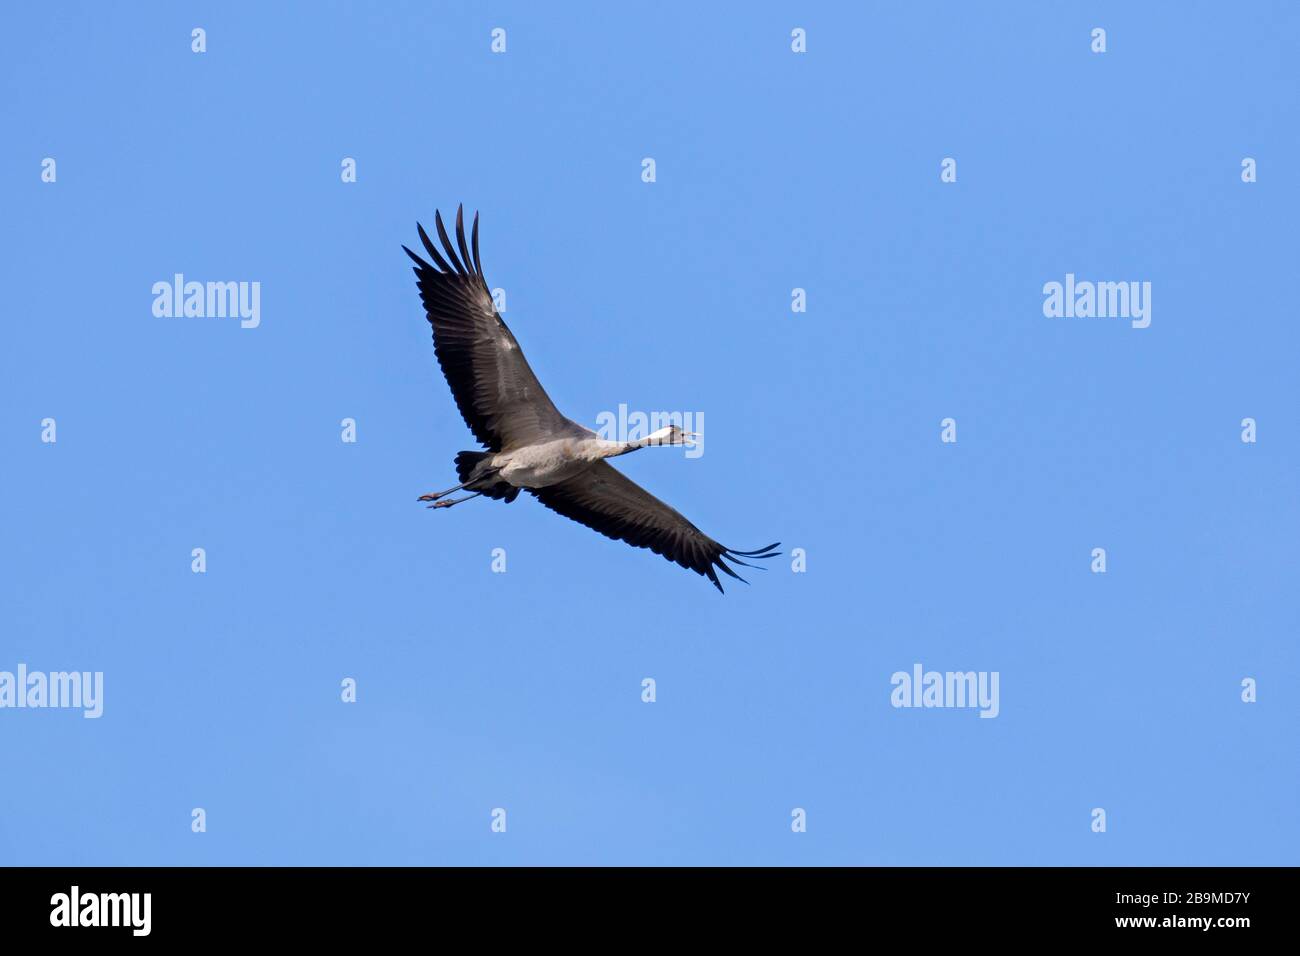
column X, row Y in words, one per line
column 690, row 438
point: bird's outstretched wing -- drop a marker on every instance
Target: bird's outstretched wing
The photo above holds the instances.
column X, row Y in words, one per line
column 606, row 500
column 497, row 393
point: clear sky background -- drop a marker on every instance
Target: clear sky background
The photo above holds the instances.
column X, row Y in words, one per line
column 522, row 690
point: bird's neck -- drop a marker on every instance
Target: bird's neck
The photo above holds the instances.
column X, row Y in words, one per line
column 616, row 448
column 612, row 449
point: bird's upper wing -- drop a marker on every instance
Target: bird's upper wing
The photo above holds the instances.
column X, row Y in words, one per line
column 606, row 500
column 497, row 393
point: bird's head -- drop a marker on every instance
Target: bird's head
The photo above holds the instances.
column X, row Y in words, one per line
column 670, row 435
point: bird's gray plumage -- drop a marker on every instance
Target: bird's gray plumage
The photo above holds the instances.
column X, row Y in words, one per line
column 530, row 444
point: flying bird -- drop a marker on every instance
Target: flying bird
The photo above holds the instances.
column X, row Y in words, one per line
column 530, row 445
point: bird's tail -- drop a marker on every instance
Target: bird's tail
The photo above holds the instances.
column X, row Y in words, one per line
column 467, row 461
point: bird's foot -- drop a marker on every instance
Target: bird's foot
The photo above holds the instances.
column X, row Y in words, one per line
column 427, row 498
column 448, row 502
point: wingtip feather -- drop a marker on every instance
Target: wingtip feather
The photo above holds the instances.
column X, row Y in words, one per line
column 460, row 238
column 478, row 263
column 431, row 249
column 418, row 261
column 446, row 243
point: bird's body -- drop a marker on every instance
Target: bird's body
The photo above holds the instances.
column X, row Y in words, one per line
column 547, row 463
column 530, row 445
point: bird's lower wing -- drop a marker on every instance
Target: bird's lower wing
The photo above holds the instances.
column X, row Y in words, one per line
column 606, row 500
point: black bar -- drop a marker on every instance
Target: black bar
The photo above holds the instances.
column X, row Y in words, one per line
column 195, row 905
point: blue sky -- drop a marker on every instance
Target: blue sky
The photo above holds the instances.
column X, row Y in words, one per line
column 522, row 690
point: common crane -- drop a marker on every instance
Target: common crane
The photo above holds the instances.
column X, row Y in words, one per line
column 530, row 445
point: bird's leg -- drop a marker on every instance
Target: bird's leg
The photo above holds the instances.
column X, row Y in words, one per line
column 447, row 503
column 442, row 494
